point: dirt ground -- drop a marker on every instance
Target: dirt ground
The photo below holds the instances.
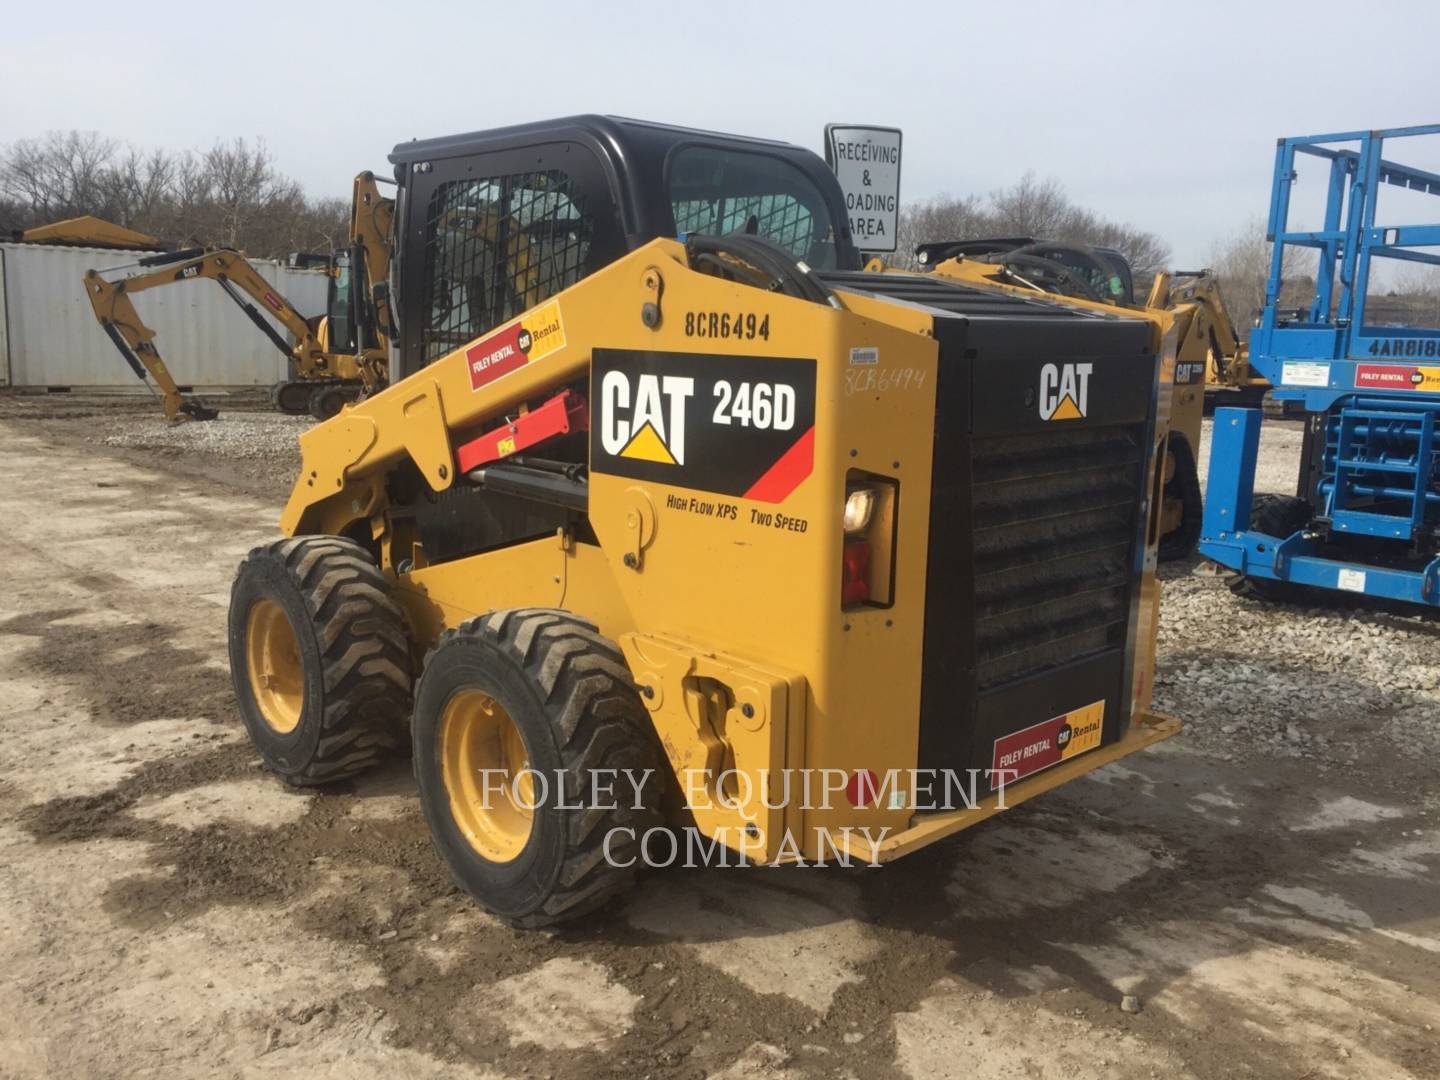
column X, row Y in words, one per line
column 1264, row 884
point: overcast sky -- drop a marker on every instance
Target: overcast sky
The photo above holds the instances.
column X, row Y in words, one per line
column 1163, row 116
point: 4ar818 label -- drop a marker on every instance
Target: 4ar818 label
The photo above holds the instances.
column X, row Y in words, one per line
column 746, row 325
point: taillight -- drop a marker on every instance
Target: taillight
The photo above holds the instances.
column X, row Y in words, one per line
column 867, row 560
column 855, row 579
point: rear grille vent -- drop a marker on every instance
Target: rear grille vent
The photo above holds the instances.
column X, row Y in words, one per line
column 1055, row 529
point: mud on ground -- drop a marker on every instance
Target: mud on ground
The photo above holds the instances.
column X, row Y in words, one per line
column 1264, row 884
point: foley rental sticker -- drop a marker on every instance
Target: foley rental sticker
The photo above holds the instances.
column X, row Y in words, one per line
column 866, row 161
column 1047, row 743
column 531, row 337
column 1397, row 377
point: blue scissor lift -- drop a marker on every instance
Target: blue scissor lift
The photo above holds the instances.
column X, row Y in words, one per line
column 1367, row 513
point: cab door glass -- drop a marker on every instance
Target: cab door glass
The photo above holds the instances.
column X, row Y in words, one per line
column 496, row 246
column 337, row 306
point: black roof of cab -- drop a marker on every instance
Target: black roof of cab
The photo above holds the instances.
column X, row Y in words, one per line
column 634, row 154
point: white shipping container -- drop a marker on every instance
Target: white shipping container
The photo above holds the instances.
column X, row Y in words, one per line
column 49, row 335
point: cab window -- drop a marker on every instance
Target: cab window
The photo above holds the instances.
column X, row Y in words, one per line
column 718, row 191
column 496, row 246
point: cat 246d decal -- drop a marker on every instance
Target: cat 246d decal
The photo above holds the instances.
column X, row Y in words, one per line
column 733, row 425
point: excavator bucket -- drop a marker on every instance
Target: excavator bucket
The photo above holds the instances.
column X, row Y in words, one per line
column 195, row 411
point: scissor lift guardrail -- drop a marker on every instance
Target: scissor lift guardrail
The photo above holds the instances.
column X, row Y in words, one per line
column 1375, row 503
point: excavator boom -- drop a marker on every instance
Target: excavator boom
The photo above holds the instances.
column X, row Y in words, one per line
column 372, row 217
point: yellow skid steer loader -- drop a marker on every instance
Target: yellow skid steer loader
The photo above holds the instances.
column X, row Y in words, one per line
column 688, row 521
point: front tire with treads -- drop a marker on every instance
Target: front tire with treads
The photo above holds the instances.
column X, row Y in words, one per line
column 320, row 659
column 1184, row 488
column 534, row 692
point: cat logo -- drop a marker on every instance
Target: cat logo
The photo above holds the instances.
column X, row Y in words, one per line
column 648, row 425
column 1065, row 391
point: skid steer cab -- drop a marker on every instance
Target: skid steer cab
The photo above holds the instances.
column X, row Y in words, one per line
column 675, row 525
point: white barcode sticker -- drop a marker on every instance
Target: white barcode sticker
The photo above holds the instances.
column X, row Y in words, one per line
column 1352, row 580
column 864, row 354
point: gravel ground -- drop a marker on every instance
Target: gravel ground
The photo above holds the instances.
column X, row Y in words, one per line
column 1279, row 460
column 249, row 448
column 257, row 436
column 1336, row 674
column 1334, row 680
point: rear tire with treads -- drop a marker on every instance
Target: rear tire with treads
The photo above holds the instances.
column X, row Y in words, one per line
column 1184, row 487
column 570, row 696
column 320, row 659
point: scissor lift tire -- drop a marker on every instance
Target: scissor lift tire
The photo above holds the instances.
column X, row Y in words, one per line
column 1279, row 516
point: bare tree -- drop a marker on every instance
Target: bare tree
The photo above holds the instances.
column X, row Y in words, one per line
column 1033, row 207
column 231, row 194
column 325, row 225
column 138, row 186
column 246, row 196
column 944, row 217
column 59, row 176
column 1241, row 262
column 1414, row 296
column 1028, row 207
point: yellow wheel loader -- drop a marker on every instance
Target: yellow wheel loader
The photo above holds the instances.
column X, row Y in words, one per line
column 1208, row 351
column 675, row 526
column 335, row 356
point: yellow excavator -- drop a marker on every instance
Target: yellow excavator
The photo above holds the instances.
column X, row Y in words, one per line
column 1208, row 350
column 336, row 356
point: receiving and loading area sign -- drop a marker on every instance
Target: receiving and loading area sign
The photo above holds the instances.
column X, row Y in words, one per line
column 866, row 161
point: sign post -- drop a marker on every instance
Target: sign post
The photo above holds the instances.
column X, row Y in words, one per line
column 866, row 161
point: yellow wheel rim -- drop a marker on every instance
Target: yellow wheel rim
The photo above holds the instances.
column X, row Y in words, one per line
column 487, row 775
column 272, row 659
